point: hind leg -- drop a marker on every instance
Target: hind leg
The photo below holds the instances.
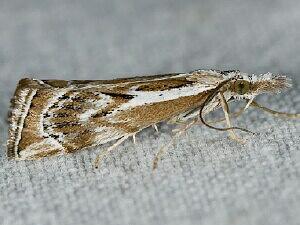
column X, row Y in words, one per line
column 225, row 108
column 165, row 148
column 100, row 156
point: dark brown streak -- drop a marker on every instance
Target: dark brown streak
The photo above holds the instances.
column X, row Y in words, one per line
column 63, row 124
column 165, row 85
column 101, row 114
column 116, row 95
column 78, row 83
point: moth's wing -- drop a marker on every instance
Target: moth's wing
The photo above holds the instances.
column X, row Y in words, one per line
column 203, row 76
column 50, row 120
column 163, row 97
column 52, row 117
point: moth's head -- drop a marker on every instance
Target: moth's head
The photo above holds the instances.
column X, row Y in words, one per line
column 248, row 86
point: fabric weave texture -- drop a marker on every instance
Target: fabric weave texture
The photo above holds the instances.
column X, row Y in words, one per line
column 205, row 178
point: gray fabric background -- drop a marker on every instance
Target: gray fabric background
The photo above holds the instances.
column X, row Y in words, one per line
column 205, row 178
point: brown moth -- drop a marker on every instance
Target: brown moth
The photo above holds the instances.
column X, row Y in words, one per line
column 54, row 117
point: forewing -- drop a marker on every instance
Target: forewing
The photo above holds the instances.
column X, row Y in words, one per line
column 52, row 117
column 49, row 120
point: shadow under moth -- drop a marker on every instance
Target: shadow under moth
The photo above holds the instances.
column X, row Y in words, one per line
column 54, row 117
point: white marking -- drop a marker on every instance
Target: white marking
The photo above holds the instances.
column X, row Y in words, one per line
column 107, row 134
column 101, row 103
column 143, row 98
column 53, row 100
column 47, row 144
column 39, row 81
column 134, row 139
column 249, row 103
column 155, row 127
column 25, row 106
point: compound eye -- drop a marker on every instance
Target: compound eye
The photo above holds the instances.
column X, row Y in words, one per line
column 241, row 87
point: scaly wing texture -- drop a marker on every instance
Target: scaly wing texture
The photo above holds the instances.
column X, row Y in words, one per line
column 53, row 117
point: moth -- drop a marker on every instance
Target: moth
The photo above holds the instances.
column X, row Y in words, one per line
column 55, row 117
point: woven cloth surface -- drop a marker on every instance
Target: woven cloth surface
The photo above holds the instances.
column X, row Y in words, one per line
column 205, row 178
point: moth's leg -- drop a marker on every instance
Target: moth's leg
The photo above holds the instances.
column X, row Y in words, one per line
column 195, row 113
column 134, row 139
column 100, row 156
column 164, row 149
column 225, row 107
column 155, row 127
column 275, row 113
column 232, row 115
column 249, row 103
column 235, row 114
column 176, row 121
column 184, row 117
